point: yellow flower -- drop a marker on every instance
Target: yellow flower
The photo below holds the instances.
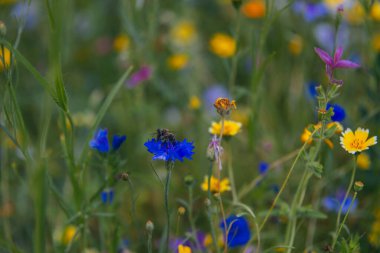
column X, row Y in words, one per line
column 208, row 240
column 121, row 43
column 68, row 234
column 222, row 45
column 358, row 141
column 295, row 45
column 375, row 11
column 183, row 249
column 363, row 161
column 177, row 61
column 305, row 136
column 254, row 9
column 231, row 128
column 216, row 185
column 183, row 33
column 7, row 58
column 356, row 14
column 333, row 4
column 376, row 42
column 194, row 102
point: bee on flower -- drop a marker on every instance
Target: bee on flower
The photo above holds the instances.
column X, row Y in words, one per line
column 224, row 106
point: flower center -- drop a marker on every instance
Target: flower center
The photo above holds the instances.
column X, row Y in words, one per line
column 357, row 144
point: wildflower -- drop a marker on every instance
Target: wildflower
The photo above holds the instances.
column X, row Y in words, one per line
column 212, row 93
column 238, row 233
column 327, row 37
column 263, row 167
column 363, row 161
column 339, row 112
column 295, row 45
column 358, row 186
column 306, row 135
column 107, row 196
column 69, row 234
column 356, row 14
column 216, row 185
column 254, row 9
column 376, row 42
column 231, row 128
column 141, row 75
column 224, row 105
column 194, row 103
column 334, row 63
column 333, row 203
column 170, row 150
column 183, row 249
column 375, row 11
column 100, row 141
column 183, row 33
column 358, row 141
column 177, row 61
column 222, row 45
column 207, row 241
column 121, row 43
column 310, row 11
column 215, row 151
column 149, row 226
column 5, row 58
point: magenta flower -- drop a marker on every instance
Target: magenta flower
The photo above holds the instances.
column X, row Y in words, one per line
column 335, row 63
column 141, row 75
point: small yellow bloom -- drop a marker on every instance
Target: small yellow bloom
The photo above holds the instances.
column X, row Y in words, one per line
column 305, row 136
column 222, row 45
column 375, row 11
column 68, row 234
column 183, row 249
column 121, row 43
column 183, row 33
column 208, row 240
column 254, row 9
column 376, row 42
column 177, row 61
column 295, row 45
column 363, row 161
column 358, row 141
column 216, row 185
column 356, row 14
column 230, row 128
column 194, row 102
column 6, row 57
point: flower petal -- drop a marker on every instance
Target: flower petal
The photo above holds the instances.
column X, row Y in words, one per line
column 371, row 141
column 338, row 54
column 326, row 58
column 361, row 134
column 346, row 64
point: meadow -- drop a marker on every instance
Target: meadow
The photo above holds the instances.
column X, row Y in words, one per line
column 207, row 126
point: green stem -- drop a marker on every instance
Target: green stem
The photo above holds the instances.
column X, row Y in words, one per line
column 345, row 217
column 232, row 77
column 169, row 167
column 335, row 238
column 191, row 219
column 209, row 214
column 231, row 176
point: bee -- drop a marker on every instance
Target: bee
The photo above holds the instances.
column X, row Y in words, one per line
column 164, row 135
column 122, row 176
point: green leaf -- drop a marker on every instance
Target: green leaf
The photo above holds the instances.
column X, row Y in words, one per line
column 315, row 167
column 309, row 212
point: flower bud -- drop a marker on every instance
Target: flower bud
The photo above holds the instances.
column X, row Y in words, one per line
column 149, row 226
column 181, row 210
column 358, row 186
column 189, row 180
column 3, row 29
column 207, row 202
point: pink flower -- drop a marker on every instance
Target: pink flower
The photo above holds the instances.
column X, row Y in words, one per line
column 141, row 75
column 335, row 63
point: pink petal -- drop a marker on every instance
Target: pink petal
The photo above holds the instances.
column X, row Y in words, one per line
column 326, row 58
column 338, row 54
column 346, row 64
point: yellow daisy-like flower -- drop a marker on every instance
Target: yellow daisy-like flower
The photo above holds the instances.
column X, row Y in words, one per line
column 254, row 9
column 7, row 58
column 121, row 43
column 183, row 249
column 222, row 45
column 68, row 234
column 375, row 11
column 295, row 45
column 194, row 102
column 216, row 185
column 183, row 33
column 358, row 141
column 231, row 128
column 363, row 161
column 177, row 61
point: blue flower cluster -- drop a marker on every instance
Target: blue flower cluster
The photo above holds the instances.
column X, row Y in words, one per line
column 238, row 231
column 339, row 112
column 170, row 150
column 332, row 203
column 100, row 141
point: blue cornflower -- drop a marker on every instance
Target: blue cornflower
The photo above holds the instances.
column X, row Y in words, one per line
column 170, row 150
column 339, row 112
column 100, row 141
column 238, row 231
column 107, row 196
column 332, row 203
column 310, row 11
column 263, row 167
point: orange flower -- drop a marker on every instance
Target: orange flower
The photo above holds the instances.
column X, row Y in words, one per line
column 254, row 9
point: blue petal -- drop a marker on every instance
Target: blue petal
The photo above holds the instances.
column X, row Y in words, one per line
column 100, row 141
column 239, row 233
column 117, row 141
column 263, row 167
column 339, row 112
